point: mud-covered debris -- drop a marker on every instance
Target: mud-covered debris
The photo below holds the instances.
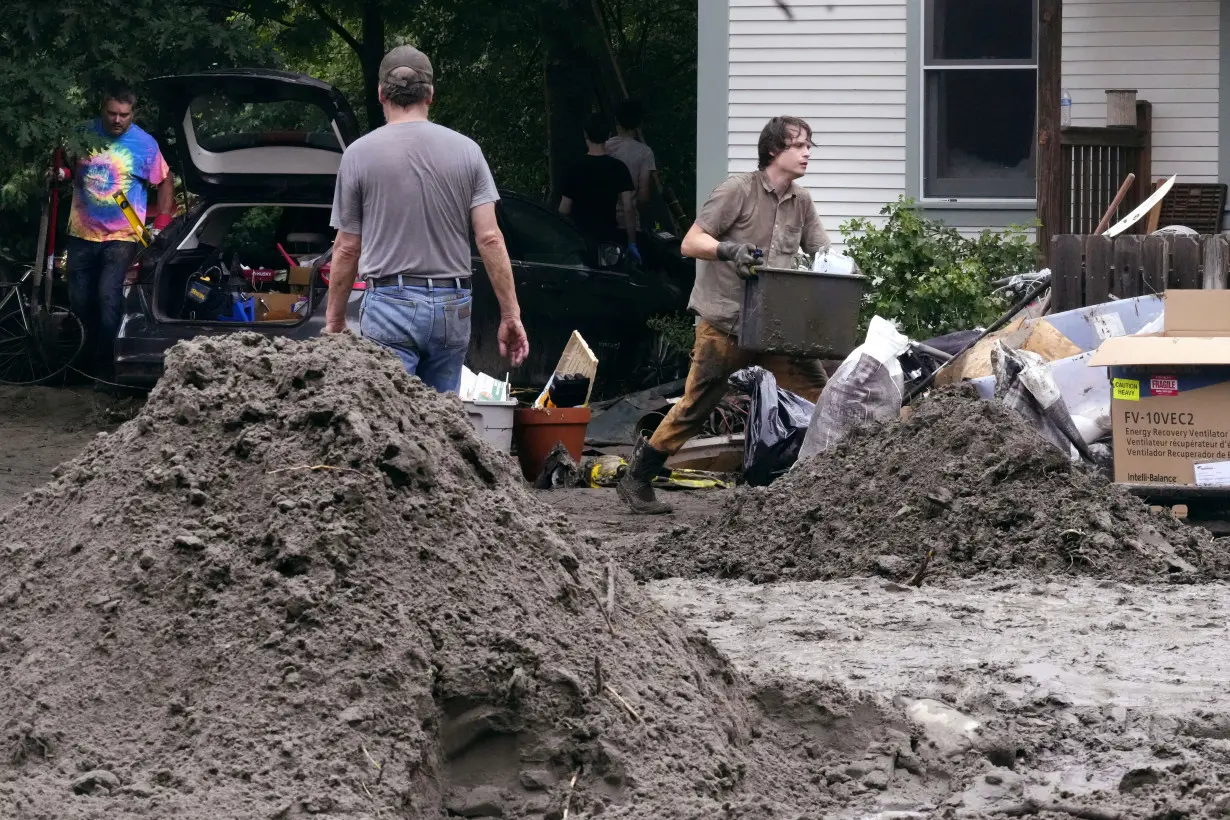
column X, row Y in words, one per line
column 962, row 480
column 370, row 616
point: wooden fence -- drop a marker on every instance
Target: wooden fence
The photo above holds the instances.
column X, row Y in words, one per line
column 1090, row 270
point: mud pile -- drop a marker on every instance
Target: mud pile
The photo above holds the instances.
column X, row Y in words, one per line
column 962, row 480
column 297, row 584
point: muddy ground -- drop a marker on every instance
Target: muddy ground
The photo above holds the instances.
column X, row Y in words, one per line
column 41, row 427
column 1096, row 698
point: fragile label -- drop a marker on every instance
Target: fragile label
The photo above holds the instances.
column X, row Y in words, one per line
column 1127, row 389
column 1214, row 474
column 1164, row 386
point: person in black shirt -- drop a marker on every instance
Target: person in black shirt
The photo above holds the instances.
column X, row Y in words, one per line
column 595, row 184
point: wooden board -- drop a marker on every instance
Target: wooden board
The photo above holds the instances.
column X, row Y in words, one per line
column 1099, row 265
column 1155, row 259
column 1067, row 273
column 1185, row 263
column 577, row 358
column 1127, row 267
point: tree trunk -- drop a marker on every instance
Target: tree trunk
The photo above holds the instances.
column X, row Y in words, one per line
column 373, row 53
column 569, row 84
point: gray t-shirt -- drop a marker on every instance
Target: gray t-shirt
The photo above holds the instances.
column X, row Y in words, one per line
column 638, row 157
column 407, row 190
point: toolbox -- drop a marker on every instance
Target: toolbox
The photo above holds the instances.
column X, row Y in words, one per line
column 801, row 313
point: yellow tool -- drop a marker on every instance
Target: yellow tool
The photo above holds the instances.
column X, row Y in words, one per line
column 142, row 234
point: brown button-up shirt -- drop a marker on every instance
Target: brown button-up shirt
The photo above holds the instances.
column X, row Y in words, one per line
column 745, row 208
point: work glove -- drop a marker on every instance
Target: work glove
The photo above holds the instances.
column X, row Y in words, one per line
column 634, row 252
column 743, row 255
column 161, row 221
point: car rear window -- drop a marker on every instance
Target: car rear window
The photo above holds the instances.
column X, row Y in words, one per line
column 221, row 123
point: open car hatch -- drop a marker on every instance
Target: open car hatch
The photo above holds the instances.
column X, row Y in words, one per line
column 255, row 134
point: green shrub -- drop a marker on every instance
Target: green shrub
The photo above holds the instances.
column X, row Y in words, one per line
column 927, row 277
column 678, row 330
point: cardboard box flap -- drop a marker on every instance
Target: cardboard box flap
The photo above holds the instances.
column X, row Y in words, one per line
column 1162, row 350
column 1197, row 312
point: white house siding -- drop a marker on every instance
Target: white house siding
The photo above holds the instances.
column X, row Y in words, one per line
column 840, row 65
column 1166, row 49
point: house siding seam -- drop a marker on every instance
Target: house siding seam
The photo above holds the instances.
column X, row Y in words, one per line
column 841, row 65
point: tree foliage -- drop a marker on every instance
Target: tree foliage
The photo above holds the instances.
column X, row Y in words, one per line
column 61, row 55
column 519, row 77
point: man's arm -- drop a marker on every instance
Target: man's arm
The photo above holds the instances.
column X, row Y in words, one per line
column 166, row 202
column 344, row 269
column 490, row 240
column 629, row 205
column 644, row 186
column 565, row 206
column 648, row 177
column 717, row 216
column 815, row 238
column 699, row 245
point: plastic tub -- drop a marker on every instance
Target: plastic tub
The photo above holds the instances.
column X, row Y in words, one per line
column 494, row 422
column 801, row 313
column 537, row 430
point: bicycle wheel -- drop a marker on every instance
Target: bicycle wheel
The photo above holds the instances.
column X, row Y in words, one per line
column 36, row 348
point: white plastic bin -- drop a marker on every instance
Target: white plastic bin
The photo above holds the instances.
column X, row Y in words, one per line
column 494, row 422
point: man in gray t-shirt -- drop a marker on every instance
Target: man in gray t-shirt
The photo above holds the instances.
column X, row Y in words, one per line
column 406, row 198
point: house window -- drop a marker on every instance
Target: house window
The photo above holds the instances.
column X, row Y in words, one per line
column 980, row 69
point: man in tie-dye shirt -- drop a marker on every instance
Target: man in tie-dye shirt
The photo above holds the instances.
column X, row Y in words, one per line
column 102, row 242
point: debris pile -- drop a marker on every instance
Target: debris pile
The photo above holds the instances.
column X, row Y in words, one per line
column 298, row 584
column 962, row 487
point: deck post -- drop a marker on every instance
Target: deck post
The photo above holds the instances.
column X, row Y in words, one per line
column 1050, row 151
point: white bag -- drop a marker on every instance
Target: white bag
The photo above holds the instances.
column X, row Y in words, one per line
column 869, row 386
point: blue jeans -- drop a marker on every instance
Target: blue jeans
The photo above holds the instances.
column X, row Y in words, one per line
column 96, row 290
column 428, row 329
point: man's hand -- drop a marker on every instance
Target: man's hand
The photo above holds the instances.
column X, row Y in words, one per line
column 744, row 255
column 514, row 345
column 342, row 273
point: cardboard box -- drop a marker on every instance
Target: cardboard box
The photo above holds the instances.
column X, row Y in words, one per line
column 279, row 307
column 1170, row 395
column 299, row 276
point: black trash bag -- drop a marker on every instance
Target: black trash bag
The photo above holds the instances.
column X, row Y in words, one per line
column 776, row 424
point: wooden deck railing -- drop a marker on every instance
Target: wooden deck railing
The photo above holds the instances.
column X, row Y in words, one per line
column 1090, row 270
column 1096, row 161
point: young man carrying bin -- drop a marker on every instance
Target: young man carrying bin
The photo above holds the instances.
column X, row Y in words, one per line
column 763, row 210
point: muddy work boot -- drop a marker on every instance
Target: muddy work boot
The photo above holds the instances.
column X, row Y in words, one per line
column 635, row 488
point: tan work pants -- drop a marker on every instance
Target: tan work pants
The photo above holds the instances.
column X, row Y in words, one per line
column 716, row 355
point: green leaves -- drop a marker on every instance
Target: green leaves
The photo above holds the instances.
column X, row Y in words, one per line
column 60, row 55
column 929, row 278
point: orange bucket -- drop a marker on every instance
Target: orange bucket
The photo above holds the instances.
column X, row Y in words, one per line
column 536, row 431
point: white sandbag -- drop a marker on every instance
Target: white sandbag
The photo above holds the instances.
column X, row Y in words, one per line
column 868, row 386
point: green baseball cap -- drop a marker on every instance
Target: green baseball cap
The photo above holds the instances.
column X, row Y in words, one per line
column 405, row 66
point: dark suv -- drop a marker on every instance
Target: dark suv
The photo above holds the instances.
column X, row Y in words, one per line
column 260, row 151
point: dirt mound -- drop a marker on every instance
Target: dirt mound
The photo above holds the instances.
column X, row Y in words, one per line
column 964, row 480
column 297, row 584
